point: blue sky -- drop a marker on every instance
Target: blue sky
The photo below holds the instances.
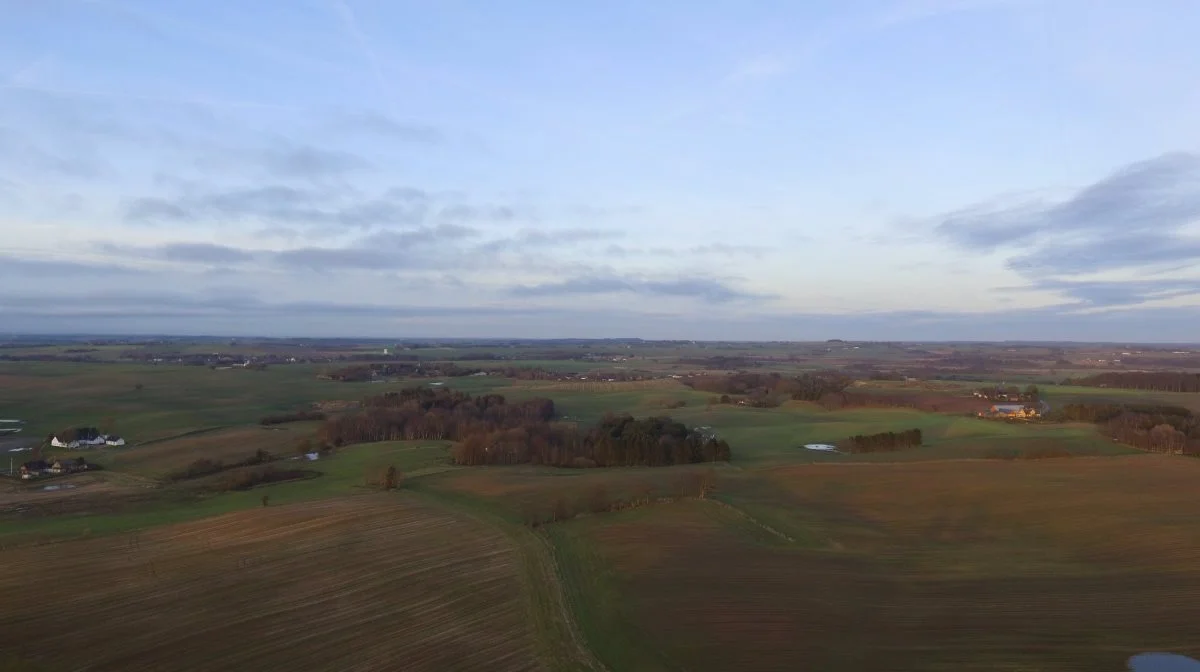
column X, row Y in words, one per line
column 891, row 169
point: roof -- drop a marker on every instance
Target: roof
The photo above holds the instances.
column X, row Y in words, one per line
column 1009, row 408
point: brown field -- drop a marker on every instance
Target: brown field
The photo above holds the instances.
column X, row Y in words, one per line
column 379, row 582
column 1049, row 565
column 515, row 491
column 229, row 445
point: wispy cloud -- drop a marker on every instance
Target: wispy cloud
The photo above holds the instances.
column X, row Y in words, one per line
column 706, row 289
column 1134, row 219
column 381, row 124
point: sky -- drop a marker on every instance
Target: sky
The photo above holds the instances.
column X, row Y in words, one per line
column 719, row 170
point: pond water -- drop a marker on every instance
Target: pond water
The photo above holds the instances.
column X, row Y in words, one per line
column 1163, row 662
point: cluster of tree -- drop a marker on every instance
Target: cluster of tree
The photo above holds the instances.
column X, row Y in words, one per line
column 1166, row 429
column 769, row 388
column 207, row 467
column 432, row 414
column 1161, row 381
column 884, row 442
column 617, row 441
column 297, row 416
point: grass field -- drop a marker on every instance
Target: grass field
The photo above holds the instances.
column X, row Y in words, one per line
column 1074, row 564
column 172, row 400
column 301, row 586
column 924, row 559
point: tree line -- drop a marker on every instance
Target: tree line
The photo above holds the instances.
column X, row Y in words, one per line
column 490, row 430
column 884, row 442
column 432, row 414
column 1159, row 381
column 771, row 388
column 360, row 373
column 1160, row 429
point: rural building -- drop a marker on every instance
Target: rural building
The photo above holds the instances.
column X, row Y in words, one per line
column 1012, row 411
column 56, row 467
column 85, row 437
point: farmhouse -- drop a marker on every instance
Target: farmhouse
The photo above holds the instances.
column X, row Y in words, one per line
column 1011, row 411
column 57, row 467
column 84, row 437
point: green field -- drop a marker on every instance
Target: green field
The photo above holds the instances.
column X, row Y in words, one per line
column 946, row 556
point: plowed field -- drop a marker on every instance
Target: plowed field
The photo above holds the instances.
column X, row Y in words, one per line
column 379, row 582
column 1058, row 565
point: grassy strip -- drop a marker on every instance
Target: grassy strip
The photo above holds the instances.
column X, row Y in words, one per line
column 559, row 641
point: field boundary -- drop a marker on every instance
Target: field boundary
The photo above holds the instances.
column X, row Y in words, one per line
column 752, row 520
column 184, row 435
column 563, row 642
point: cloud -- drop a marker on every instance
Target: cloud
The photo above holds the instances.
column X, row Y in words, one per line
column 281, row 205
column 1158, row 195
column 375, row 123
column 709, row 249
column 1132, row 220
column 281, row 208
column 311, row 162
column 712, row 291
column 22, row 155
column 534, row 238
column 1107, row 294
column 204, row 253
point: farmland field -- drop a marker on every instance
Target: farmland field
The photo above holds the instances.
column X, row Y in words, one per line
column 993, row 545
column 302, row 586
column 1064, row 566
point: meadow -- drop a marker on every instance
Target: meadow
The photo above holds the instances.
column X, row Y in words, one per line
column 958, row 554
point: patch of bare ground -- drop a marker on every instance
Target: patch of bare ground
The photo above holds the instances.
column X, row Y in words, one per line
column 378, row 582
